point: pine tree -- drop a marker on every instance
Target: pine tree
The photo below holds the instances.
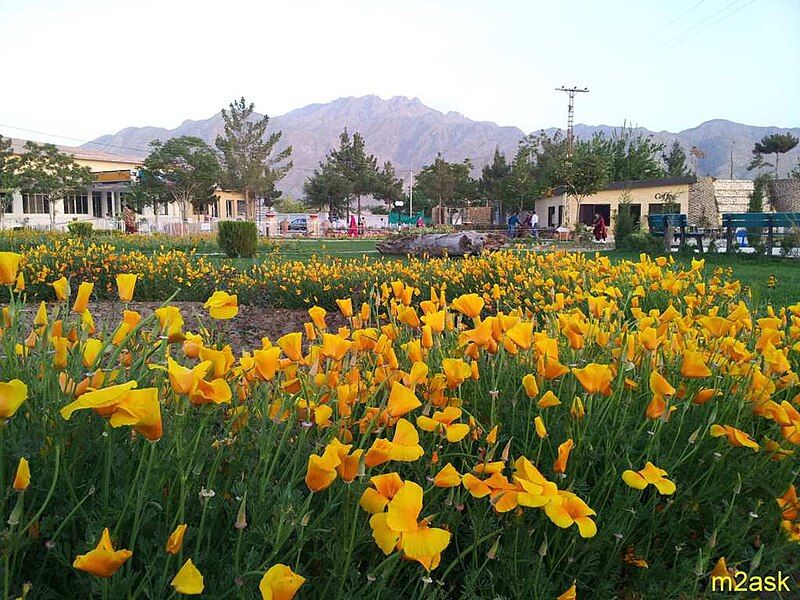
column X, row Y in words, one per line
column 675, row 161
column 494, row 182
column 248, row 158
column 777, row 144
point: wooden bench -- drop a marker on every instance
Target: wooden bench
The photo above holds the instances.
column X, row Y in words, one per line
column 665, row 225
column 769, row 221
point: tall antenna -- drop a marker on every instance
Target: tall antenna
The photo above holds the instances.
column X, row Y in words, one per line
column 571, row 114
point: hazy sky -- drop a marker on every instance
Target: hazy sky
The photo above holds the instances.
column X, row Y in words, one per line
column 84, row 68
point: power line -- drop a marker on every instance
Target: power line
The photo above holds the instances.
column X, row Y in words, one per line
column 680, row 16
column 699, row 26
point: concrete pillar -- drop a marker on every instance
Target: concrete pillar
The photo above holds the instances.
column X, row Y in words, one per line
column 313, row 225
column 271, row 225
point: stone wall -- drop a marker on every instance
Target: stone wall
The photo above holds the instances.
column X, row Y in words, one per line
column 785, row 195
column 702, row 203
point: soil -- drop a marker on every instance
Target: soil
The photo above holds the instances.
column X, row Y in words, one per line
column 243, row 332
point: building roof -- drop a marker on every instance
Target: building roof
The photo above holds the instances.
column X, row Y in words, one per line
column 18, row 147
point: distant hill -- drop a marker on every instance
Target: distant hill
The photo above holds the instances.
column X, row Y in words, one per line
column 409, row 133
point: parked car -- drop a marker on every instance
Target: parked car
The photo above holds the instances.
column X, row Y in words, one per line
column 299, row 224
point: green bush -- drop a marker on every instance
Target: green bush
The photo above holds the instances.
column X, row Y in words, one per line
column 238, row 239
column 624, row 221
column 80, row 228
column 641, row 241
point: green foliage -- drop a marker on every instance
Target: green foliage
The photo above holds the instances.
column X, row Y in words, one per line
column 675, row 161
column 349, row 172
column 238, row 239
column 641, row 241
column 777, row 144
column 183, row 169
column 80, row 228
column 249, row 160
column 44, row 169
column 8, row 175
column 450, row 184
column 624, row 221
column 756, row 205
column 289, row 205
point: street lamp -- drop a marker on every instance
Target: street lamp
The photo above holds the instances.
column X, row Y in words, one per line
column 398, row 204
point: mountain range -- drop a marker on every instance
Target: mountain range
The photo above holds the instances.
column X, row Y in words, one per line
column 410, row 134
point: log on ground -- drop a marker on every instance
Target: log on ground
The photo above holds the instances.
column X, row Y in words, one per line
column 460, row 243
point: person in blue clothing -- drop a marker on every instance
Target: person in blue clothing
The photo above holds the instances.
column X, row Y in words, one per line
column 513, row 224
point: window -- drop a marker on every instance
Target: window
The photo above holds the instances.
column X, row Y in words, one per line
column 560, row 215
column 212, row 210
column 229, row 208
column 34, row 204
column 97, row 204
column 551, row 216
column 76, row 204
column 241, row 207
column 655, row 209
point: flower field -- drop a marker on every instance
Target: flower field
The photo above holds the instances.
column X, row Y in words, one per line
column 506, row 426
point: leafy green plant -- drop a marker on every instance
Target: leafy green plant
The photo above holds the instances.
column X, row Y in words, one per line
column 238, row 239
column 80, row 228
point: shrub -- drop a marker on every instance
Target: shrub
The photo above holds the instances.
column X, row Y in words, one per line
column 624, row 221
column 641, row 241
column 80, row 228
column 238, row 239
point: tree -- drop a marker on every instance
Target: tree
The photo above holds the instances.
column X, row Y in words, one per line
column 777, row 144
column 184, row 170
column 756, row 205
column 494, row 182
column 8, row 175
column 44, row 169
column 248, row 161
column 520, row 189
column 348, row 172
column 389, row 187
column 675, row 161
column 450, row 184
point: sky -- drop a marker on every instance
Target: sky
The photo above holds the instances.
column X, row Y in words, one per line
column 82, row 68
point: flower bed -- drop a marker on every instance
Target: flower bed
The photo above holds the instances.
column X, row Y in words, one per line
column 538, row 426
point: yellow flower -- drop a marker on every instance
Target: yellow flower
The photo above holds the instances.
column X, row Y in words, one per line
column 447, row 477
column 442, row 421
column 22, row 479
column 82, row 298
column 12, row 394
column 651, row 474
column 175, row 540
column 595, row 378
column 292, row 347
column 720, row 574
column 456, row 371
column 222, row 305
column 694, row 365
column 541, row 430
column 401, row 401
column 20, row 284
column 171, row 322
column 530, row 385
column 280, row 583
column 568, row 509
column 126, row 282
column 548, row 399
column 188, row 580
column 736, row 437
column 321, row 470
column 659, row 385
column 91, row 350
column 374, row 499
column 9, row 264
column 577, row 410
column 61, row 287
column 403, row 447
column 399, row 527
column 317, row 314
column 184, row 381
column 346, row 308
column 569, row 594
column 470, row 305
column 103, row 561
column 560, row 465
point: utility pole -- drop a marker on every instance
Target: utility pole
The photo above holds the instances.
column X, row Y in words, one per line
column 733, row 142
column 411, row 196
column 571, row 113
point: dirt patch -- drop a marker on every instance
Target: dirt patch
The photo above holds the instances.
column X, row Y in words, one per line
column 243, row 332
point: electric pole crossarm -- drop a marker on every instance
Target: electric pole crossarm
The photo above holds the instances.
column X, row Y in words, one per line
column 571, row 113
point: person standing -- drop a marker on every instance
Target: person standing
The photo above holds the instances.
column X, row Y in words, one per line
column 352, row 229
column 513, row 223
column 599, row 228
column 534, row 225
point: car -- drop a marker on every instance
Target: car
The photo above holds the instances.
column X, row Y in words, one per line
column 299, row 224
